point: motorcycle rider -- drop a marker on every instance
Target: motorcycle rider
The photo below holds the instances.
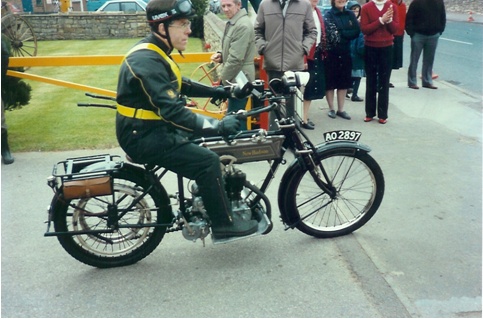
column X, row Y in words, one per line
column 152, row 122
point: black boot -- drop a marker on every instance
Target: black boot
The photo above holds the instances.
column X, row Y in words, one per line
column 236, row 228
column 224, row 224
column 215, row 199
column 6, row 156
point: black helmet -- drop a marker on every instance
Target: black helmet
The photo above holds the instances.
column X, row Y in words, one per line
column 161, row 11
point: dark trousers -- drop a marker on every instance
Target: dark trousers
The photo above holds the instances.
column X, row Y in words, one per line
column 378, row 64
column 426, row 44
column 203, row 166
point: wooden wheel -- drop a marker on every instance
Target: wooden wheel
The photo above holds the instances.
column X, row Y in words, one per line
column 20, row 35
column 206, row 74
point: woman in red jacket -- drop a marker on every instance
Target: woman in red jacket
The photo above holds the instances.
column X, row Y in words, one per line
column 379, row 23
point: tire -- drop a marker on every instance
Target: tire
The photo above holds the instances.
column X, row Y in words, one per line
column 360, row 188
column 123, row 247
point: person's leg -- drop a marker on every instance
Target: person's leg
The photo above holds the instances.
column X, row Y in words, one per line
column 341, row 93
column 416, row 48
column 306, row 110
column 7, row 157
column 385, row 66
column 371, row 82
column 329, row 97
column 203, row 166
column 429, row 52
column 355, row 90
column 341, row 99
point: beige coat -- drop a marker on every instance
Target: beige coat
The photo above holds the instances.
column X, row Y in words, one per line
column 284, row 40
column 238, row 48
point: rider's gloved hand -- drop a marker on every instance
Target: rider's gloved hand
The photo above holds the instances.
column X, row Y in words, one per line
column 221, row 93
column 229, row 125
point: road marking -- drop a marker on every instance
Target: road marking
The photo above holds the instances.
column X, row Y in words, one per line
column 468, row 43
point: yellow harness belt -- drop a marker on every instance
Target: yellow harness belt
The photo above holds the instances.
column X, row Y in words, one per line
column 141, row 113
column 137, row 113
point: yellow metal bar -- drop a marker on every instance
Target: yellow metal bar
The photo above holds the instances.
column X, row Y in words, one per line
column 92, row 89
column 96, row 60
column 67, row 84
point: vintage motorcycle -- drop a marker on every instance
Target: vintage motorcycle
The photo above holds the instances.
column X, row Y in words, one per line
column 108, row 212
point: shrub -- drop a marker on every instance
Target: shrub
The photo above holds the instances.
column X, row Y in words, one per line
column 15, row 93
column 200, row 7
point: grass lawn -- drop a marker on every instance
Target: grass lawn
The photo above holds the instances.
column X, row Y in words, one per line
column 52, row 121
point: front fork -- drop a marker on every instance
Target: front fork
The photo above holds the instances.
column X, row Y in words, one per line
column 305, row 153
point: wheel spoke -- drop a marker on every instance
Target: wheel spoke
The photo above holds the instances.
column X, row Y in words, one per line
column 356, row 181
column 106, row 241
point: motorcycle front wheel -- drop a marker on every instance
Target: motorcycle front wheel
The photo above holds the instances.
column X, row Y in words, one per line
column 117, row 246
column 358, row 182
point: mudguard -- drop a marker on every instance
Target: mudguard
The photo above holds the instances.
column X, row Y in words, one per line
column 321, row 150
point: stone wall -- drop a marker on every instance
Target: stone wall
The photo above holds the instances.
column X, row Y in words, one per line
column 213, row 32
column 88, row 26
column 92, row 26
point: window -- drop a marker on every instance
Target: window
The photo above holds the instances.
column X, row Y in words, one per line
column 112, row 7
column 130, row 7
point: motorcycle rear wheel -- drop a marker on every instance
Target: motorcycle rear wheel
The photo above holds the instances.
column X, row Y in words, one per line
column 359, row 184
column 124, row 246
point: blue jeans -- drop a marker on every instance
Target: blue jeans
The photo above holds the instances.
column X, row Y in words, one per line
column 426, row 44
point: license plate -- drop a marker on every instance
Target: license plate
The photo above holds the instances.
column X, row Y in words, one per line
column 342, row 135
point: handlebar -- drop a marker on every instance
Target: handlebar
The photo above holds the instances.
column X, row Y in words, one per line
column 280, row 89
column 243, row 115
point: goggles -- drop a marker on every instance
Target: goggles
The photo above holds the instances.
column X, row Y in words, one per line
column 182, row 9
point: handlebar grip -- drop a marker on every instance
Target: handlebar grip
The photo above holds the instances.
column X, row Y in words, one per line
column 253, row 112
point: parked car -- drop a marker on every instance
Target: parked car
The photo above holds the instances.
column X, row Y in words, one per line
column 126, row 6
column 215, row 6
